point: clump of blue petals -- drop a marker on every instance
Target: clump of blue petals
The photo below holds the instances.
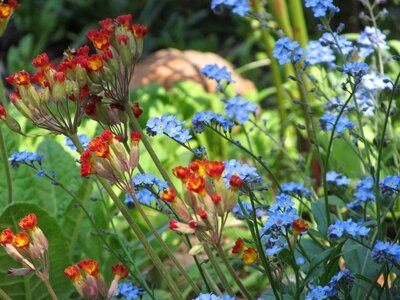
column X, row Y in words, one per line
column 217, row 73
column 327, row 122
column 239, row 108
column 340, row 228
column 337, row 42
column 168, row 125
column 337, row 179
column 239, row 7
column 385, row 252
column 363, row 192
column 248, row 208
column 128, row 291
column 208, row 118
column 25, row 157
column 211, row 296
column 295, row 188
column 371, row 38
column 83, row 139
column 286, row 51
column 319, row 54
column 321, row 7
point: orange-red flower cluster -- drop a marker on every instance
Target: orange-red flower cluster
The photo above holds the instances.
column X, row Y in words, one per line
column 249, row 254
column 6, row 10
column 29, row 248
column 299, row 227
column 91, row 283
column 107, row 157
column 207, row 196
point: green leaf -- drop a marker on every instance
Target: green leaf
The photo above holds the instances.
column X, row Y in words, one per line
column 30, row 286
column 319, row 214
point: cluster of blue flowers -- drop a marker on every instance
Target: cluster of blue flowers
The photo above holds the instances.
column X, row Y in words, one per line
column 239, row 108
column 371, row 38
column 385, row 252
column 83, row 139
column 144, row 183
column 390, row 185
column 281, row 215
column 295, row 188
column 239, row 7
column 328, row 120
column 337, row 42
column 340, row 228
column 129, row 291
column 342, row 281
column 25, row 157
column 248, row 208
column 212, row 296
column 356, row 69
column 244, row 171
column 320, row 7
column 201, row 119
column 287, row 51
column 201, row 151
column 168, row 125
column 316, row 54
column 217, row 73
column 337, row 179
column 363, row 192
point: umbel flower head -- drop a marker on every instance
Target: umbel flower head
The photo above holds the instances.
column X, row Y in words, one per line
column 91, row 283
column 6, row 10
column 28, row 248
column 118, row 45
column 55, row 97
column 107, row 157
column 207, row 195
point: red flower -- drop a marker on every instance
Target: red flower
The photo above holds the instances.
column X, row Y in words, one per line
column 168, row 195
column 107, row 136
column 21, row 240
column 197, row 185
column 203, row 214
column 90, row 267
column 198, row 167
column 182, row 173
column 299, row 226
column 3, row 112
column 94, row 63
column 21, row 78
column 100, row 39
column 125, row 20
column 172, row 224
column 135, row 136
column 214, row 169
column 235, row 182
column 99, row 147
column 73, row 273
column 29, row 222
column 250, row 256
column 40, row 78
column 106, row 24
column 41, row 61
column 137, row 111
column 122, row 39
column 139, row 31
column 216, row 198
column 15, row 96
column 239, row 246
column 6, row 237
column 120, row 271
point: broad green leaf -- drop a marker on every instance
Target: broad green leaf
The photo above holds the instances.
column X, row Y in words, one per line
column 29, row 286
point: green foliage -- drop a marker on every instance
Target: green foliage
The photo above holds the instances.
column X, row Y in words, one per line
column 30, row 287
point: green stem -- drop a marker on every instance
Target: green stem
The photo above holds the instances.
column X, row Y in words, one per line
column 6, row 165
column 378, row 168
column 239, row 283
column 276, row 73
column 218, row 270
column 280, row 13
column 138, row 232
column 50, row 289
column 299, row 22
column 260, row 247
column 4, row 296
column 163, row 245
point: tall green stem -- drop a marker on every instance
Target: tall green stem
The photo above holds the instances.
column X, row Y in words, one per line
column 50, row 289
column 218, row 270
column 280, row 13
column 378, row 167
column 299, row 23
column 4, row 296
column 239, row 283
column 6, row 165
column 138, row 232
column 163, row 245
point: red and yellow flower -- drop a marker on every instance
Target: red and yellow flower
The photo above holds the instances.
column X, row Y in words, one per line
column 29, row 222
column 21, row 240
